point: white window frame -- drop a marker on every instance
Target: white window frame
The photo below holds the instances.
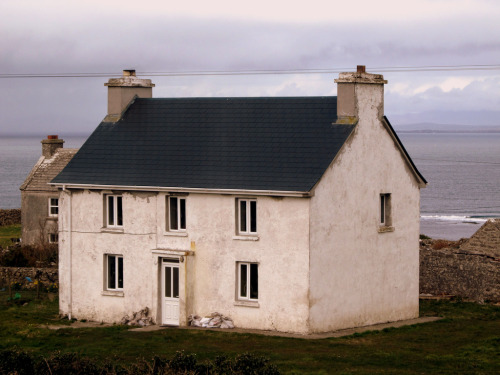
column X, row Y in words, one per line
column 180, row 214
column 385, row 210
column 53, row 206
column 53, row 238
column 117, row 213
column 118, row 262
column 246, row 296
column 247, row 216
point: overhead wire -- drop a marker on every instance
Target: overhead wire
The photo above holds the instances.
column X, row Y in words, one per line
column 382, row 69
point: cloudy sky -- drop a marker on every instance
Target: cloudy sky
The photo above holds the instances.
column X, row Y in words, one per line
column 395, row 38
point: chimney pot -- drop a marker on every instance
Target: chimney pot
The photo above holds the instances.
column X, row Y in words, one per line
column 52, row 137
column 129, row 73
column 361, row 69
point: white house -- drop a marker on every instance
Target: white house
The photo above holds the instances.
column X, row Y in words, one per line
column 296, row 214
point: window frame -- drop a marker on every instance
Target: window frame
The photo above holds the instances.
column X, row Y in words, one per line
column 117, row 210
column 117, row 273
column 248, row 281
column 247, row 215
column 385, row 216
column 180, row 213
column 53, row 207
column 54, row 239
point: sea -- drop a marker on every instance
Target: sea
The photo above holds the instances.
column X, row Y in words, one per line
column 462, row 171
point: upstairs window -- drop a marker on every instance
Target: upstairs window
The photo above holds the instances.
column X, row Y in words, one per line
column 247, row 216
column 248, row 281
column 114, row 272
column 53, row 207
column 385, row 210
column 114, row 211
column 177, row 214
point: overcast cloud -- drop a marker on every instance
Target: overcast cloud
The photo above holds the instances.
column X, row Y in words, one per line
column 163, row 36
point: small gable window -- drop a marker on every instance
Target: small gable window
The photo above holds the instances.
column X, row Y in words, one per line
column 53, row 207
column 176, row 214
column 385, row 210
column 247, row 216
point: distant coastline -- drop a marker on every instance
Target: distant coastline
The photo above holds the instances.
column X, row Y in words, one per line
column 426, row 128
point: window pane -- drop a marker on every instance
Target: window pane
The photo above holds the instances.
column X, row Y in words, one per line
column 173, row 213
column 243, row 216
column 183, row 213
column 254, row 281
column 168, row 282
column 382, row 209
column 111, row 272
column 253, row 216
column 243, row 280
column 120, row 272
column 111, row 202
column 175, row 292
column 119, row 211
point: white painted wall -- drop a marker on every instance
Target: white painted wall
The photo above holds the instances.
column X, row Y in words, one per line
column 208, row 278
column 359, row 276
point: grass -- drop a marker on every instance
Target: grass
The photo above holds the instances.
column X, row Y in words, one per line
column 8, row 232
column 466, row 341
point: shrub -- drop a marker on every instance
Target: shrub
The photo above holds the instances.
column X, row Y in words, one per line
column 14, row 361
column 29, row 256
column 440, row 244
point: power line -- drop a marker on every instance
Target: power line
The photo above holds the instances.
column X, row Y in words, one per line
column 394, row 69
column 459, row 161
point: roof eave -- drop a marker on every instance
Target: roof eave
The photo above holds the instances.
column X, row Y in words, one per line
column 422, row 182
column 176, row 189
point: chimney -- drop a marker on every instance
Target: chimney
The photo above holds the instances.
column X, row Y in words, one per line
column 122, row 90
column 358, row 92
column 50, row 145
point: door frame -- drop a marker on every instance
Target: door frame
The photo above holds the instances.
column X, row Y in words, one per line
column 173, row 262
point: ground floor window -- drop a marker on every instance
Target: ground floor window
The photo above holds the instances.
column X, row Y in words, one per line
column 248, row 281
column 53, row 238
column 114, row 272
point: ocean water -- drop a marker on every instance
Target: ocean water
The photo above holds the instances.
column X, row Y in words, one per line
column 463, row 175
column 463, row 172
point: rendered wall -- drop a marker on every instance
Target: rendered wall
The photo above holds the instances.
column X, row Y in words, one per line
column 358, row 275
column 209, row 250
column 36, row 222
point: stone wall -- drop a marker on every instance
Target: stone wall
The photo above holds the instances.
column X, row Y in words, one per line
column 46, row 276
column 452, row 271
column 10, row 217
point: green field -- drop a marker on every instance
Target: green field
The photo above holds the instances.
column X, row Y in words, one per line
column 8, row 232
column 466, row 341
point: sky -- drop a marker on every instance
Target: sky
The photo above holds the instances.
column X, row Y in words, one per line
column 101, row 38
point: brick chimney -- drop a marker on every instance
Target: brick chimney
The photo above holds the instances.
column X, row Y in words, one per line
column 356, row 92
column 122, row 90
column 50, row 145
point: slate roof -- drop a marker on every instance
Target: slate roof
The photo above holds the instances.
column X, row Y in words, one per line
column 277, row 144
column 46, row 169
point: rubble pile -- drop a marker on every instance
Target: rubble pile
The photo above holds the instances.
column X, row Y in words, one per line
column 214, row 320
column 139, row 318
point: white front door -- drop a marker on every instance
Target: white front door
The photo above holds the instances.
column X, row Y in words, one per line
column 170, row 291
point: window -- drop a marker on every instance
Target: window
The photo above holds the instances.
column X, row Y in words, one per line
column 53, row 206
column 385, row 210
column 114, row 211
column 114, row 272
column 247, row 216
column 248, row 281
column 53, row 238
column 177, row 214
